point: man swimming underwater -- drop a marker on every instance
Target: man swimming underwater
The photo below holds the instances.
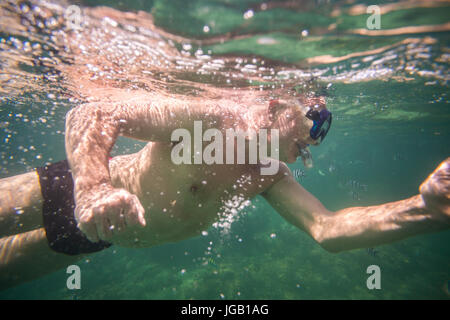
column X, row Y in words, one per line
column 144, row 199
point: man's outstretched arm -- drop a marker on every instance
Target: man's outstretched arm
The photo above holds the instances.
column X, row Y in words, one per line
column 363, row 227
column 91, row 132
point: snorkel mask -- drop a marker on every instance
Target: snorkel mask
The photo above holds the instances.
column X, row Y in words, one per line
column 321, row 124
column 321, row 119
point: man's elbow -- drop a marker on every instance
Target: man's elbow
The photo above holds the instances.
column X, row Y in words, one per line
column 74, row 115
column 326, row 242
column 330, row 246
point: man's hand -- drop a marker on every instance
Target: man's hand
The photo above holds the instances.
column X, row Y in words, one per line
column 435, row 191
column 104, row 211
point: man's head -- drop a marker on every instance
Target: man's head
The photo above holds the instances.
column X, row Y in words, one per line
column 301, row 122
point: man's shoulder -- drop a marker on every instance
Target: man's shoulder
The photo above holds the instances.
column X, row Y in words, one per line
column 271, row 179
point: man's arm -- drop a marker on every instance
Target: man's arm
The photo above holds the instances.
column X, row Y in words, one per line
column 91, row 132
column 362, row 227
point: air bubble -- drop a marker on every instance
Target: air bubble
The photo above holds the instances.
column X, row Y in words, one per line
column 248, row 14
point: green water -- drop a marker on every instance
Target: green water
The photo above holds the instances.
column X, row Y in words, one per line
column 390, row 130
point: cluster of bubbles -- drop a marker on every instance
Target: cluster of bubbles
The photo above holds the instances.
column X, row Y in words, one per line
column 233, row 205
column 230, row 212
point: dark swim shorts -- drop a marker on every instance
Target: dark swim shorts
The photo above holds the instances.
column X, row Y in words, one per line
column 60, row 225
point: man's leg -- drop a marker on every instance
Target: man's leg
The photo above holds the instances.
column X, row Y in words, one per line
column 20, row 204
column 27, row 256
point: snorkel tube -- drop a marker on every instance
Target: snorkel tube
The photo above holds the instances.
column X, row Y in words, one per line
column 305, row 153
